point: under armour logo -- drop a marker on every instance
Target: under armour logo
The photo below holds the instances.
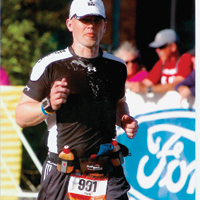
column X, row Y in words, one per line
column 27, row 88
column 91, row 3
column 90, row 69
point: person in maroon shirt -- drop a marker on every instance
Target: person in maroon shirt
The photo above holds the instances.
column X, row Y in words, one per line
column 170, row 69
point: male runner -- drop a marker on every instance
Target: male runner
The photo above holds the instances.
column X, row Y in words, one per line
column 79, row 91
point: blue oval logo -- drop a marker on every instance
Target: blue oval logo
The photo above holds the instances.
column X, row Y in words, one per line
column 162, row 165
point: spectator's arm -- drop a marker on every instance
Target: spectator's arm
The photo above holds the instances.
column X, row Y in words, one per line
column 192, row 90
column 184, row 91
column 159, row 88
column 189, row 81
column 147, row 86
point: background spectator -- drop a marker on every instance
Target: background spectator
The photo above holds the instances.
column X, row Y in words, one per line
column 4, row 80
column 131, row 56
column 186, row 88
column 170, row 69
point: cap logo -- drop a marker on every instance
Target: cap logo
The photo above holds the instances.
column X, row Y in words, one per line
column 91, row 3
column 82, row 8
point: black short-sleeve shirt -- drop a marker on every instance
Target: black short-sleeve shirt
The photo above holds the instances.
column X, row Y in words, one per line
column 88, row 117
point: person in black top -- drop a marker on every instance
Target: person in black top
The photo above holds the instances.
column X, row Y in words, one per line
column 80, row 93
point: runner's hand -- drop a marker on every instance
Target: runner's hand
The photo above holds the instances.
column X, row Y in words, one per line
column 59, row 93
column 130, row 126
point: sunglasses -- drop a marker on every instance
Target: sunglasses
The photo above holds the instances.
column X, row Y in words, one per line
column 163, row 46
column 132, row 61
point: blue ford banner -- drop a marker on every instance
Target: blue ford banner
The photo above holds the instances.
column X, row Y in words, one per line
column 162, row 161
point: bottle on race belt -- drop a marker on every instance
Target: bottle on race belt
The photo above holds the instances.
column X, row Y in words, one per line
column 66, row 157
column 115, row 161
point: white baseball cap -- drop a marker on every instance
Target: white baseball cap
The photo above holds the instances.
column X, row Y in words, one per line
column 82, row 8
column 166, row 36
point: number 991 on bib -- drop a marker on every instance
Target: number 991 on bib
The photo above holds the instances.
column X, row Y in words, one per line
column 81, row 187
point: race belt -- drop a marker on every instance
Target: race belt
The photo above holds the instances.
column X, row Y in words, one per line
column 85, row 165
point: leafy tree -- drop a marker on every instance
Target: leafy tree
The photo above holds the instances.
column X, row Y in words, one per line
column 30, row 29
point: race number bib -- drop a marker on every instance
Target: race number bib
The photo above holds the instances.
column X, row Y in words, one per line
column 84, row 188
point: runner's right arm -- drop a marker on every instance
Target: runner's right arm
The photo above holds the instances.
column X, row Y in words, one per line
column 28, row 111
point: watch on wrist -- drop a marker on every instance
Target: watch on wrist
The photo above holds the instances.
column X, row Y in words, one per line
column 149, row 89
column 46, row 105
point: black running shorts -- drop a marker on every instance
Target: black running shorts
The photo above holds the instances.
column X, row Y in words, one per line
column 54, row 184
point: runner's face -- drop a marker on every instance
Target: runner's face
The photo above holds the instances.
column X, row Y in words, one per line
column 88, row 31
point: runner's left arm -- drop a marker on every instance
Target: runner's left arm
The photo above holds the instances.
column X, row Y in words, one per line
column 124, row 120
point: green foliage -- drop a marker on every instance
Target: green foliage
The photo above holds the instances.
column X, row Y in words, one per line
column 28, row 32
